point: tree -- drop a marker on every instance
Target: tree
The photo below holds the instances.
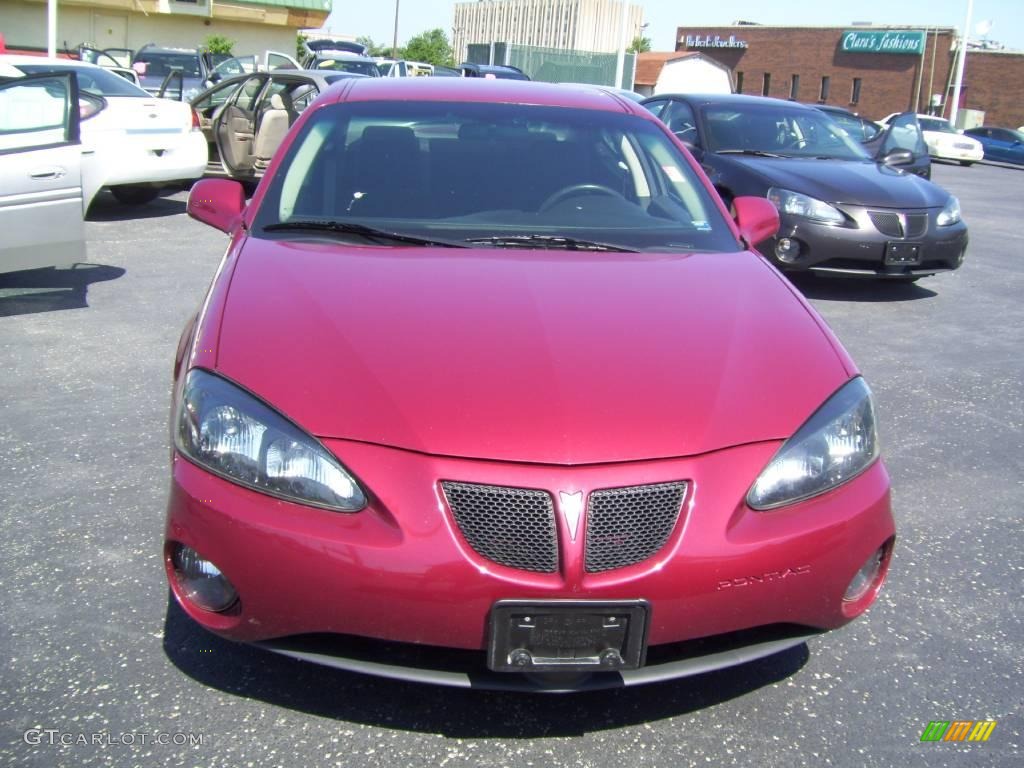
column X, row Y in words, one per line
column 430, row 47
column 300, row 47
column 640, row 45
column 218, row 44
column 372, row 48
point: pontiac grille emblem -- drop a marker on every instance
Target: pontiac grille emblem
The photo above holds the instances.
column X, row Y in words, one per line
column 572, row 508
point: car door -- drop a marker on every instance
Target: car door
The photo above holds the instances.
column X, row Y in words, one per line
column 40, row 172
column 903, row 131
column 277, row 60
column 234, row 128
column 1002, row 145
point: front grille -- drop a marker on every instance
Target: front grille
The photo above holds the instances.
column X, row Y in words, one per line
column 628, row 525
column 509, row 526
column 892, row 224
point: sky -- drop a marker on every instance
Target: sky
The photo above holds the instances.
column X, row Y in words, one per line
column 377, row 18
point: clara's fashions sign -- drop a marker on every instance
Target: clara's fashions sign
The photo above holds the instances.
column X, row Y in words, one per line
column 882, row 41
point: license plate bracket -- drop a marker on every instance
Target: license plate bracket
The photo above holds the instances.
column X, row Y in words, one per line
column 901, row 254
column 567, row 635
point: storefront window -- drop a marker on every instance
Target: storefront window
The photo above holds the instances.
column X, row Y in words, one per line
column 855, row 91
column 766, row 84
column 825, row 83
column 794, row 87
column 739, row 82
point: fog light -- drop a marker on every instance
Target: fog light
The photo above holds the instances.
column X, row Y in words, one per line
column 787, row 250
column 201, row 581
column 866, row 577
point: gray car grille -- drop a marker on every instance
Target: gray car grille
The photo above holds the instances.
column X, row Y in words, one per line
column 899, row 224
column 515, row 527
column 510, row 526
column 628, row 525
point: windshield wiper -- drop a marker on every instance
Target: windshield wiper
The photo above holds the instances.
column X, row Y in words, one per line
column 752, row 152
column 352, row 228
column 548, row 241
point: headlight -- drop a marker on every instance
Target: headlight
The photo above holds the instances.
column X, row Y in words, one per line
column 802, row 205
column 233, row 434
column 950, row 213
column 836, row 444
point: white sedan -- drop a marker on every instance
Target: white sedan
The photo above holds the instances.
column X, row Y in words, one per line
column 134, row 143
column 945, row 142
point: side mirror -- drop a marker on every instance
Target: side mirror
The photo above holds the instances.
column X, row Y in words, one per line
column 217, row 202
column 899, row 157
column 757, row 219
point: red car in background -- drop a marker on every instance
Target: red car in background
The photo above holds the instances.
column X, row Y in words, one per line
column 490, row 391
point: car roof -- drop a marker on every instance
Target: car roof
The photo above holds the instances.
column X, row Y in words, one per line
column 481, row 90
column 725, row 99
column 14, row 59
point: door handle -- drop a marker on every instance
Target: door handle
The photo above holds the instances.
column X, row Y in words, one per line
column 56, row 172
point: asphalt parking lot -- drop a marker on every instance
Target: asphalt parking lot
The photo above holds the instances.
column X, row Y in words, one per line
column 90, row 647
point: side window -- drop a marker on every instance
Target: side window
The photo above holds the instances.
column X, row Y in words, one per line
column 303, row 96
column 904, row 133
column 215, row 98
column 680, row 120
column 249, row 93
column 656, row 107
column 34, row 112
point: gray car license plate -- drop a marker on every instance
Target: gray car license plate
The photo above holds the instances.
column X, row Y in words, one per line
column 902, row 253
column 554, row 635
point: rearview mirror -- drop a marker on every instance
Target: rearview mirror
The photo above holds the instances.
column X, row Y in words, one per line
column 757, row 219
column 217, row 202
column 899, row 157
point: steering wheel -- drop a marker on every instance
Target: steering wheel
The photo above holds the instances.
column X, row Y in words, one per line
column 574, row 190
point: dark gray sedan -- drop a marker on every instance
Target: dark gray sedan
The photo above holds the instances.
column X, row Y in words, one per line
column 245, row 118
column 842, row 212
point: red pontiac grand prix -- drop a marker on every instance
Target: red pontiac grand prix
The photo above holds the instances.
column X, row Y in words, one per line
column 489, row 390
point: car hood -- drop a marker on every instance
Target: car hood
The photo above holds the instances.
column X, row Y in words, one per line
column 846, row 181
column 530, row 356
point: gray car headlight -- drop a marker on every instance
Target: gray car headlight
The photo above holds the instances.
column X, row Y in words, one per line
column 798, row 204
column 950, row 213
column 835, row 445
column 232, row 433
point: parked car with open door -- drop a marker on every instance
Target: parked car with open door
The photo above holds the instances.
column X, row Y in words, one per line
column 245, row 118
column 41, row 205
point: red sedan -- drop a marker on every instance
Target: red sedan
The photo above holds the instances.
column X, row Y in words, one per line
column 489, row 390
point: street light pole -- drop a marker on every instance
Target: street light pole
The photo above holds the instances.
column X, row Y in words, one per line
column 394, row 43
column 960, row 65
column 620, row 59
column 51, row 28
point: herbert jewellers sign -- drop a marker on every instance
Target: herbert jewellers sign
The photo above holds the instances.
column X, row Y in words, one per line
column 707, row 41
column 882, row 41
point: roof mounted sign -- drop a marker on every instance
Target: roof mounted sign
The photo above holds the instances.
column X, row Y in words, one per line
column 707, row 41
column 883, row 41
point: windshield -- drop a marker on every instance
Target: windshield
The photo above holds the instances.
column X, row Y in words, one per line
column 358, row 66
column 94, row 80
column 936, row 124
column 777, row 130
column 495, row 172
column 159, row 63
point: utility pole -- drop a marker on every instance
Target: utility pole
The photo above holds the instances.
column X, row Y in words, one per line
column 394, row 43
column 960, row 65
column 51, row 28
column 620, row 60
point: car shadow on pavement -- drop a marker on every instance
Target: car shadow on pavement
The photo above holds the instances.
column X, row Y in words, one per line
column 244, row 670
column 106, row 208
column 858, row 289
column 49, row 290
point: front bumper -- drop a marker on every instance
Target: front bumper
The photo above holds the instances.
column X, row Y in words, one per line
column 860, row 249
column 400, row 571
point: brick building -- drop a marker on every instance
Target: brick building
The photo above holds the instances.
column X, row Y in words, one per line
column 871, row 70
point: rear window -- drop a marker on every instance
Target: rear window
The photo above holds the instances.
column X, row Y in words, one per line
column 469, row 170
column 159, row 63
column 94, row 80
column 368, row 68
